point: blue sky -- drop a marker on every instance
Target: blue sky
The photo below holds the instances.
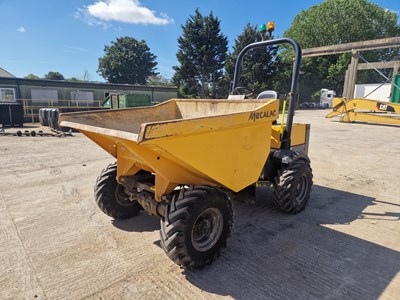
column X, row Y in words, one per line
column 39, row 36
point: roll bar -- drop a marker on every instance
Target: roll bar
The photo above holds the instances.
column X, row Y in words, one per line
column 286, row 142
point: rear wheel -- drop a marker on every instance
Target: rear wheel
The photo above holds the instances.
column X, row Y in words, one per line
column 196, row 226
column 292, row 186
column 111, row 197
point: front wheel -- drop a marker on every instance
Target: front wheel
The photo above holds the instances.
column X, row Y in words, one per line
column 196, row 226
column 292, row 186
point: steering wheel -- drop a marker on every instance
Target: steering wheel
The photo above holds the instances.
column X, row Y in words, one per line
column 241, row 90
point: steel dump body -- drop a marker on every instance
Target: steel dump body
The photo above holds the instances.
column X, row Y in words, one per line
column 183, row 142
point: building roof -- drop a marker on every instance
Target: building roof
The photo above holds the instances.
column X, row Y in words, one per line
column 82, row 84
column 4, row 73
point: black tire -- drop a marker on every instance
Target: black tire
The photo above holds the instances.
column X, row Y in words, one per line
column 111, row 198
column 292, row 187
column 196, row 226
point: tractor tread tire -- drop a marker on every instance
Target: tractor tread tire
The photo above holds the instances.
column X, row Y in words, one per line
column 178, row 222
column 285, row 191
column 105, row 196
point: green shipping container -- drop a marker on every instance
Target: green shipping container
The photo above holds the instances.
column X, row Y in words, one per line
column 125, row 101
column 106, row 103
column 395, row 94
column 134, row 100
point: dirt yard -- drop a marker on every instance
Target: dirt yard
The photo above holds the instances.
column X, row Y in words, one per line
column 56, row 244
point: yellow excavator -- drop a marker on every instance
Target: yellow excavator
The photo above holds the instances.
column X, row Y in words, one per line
column 365, row 110
column 370, row 111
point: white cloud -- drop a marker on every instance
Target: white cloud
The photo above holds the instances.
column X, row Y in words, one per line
column 84, row 15
column 125, row 11
column 21, row 29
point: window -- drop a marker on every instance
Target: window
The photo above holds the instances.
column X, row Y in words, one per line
column 44, row 96
column 7, row 94
column 82, row 97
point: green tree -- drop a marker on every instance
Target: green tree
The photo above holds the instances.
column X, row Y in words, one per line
column 202, row 53
column 159, row 80
column 54, row 76
column 336, row 22
column 127, row 60
column 32, row 76
column 73, row 78
column 259, row 66
column 86, row 76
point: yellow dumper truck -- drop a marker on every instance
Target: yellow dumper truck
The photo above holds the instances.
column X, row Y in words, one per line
column 182, row 160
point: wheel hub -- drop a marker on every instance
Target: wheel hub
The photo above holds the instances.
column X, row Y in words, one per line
column 207, row 229
column 301, row 188
column 121, row 197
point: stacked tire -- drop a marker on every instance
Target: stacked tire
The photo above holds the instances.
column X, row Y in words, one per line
column 49, row 117
column 44, row 116
column 53, row 118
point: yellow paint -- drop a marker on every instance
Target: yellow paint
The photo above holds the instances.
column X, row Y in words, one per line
column 210, row 142
column 283, row 118
column 298, row 135
column 365, row 110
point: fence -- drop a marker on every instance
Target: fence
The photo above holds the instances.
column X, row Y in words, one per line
column 31, row 107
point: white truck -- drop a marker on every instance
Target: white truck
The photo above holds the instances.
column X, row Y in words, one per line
column 326, row 98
